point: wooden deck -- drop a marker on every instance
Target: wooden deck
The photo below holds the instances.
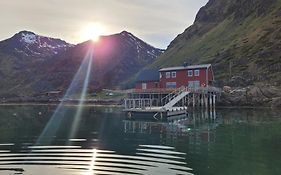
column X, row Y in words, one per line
column 170, row 102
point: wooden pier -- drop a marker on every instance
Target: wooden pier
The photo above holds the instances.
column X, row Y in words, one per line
column 169, row 102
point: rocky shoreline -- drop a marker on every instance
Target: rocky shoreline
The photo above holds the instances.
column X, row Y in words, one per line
column 251, row 96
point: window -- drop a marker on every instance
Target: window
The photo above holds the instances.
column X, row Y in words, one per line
column 171, row 85
column 160, row 75
column 190, row 73
column 196, row 73
column 168, row 74
column 143, row 86
column 174, row 74
column 193, row 84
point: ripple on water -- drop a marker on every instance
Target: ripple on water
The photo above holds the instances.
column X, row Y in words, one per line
column 62, row 160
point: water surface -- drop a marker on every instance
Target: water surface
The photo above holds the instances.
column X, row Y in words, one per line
column 226, row 141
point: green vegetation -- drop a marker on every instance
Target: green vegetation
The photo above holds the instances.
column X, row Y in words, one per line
column 250, row 44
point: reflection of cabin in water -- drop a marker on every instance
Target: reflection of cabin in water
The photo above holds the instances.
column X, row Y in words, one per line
column 197, row 127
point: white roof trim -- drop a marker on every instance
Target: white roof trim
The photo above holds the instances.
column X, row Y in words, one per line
column 186, row 67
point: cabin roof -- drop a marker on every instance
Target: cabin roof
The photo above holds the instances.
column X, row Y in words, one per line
column 148, row 75
column 201, row 66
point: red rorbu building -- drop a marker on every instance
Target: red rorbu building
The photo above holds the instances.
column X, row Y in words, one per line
column 192, row 76
column 148, row 79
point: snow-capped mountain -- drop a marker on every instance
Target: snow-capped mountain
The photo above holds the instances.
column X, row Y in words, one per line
column 33, row 64
column 139, row 44
column 117, row 58
column 29, row 44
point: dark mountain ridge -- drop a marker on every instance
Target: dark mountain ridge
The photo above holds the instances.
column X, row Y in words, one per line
column 33, row 64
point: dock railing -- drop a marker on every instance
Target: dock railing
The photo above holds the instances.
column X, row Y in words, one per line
column 205, row 89
column 140, row 103
column 173, row 95
column 153, row 90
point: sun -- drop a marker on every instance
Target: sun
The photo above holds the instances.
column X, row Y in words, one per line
column 92, row 31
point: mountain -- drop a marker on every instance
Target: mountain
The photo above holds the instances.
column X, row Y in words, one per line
column 30, row 45
column 241, row 38
column 32, row 64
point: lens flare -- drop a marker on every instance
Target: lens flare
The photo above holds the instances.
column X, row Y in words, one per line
column 81, row 77
column 78, row 114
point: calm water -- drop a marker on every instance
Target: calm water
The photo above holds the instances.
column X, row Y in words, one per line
column 229, row 141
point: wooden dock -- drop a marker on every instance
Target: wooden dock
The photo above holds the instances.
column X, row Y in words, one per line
column 169, row 102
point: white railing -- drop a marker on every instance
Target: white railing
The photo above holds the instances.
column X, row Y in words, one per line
column 173, row 95
column 141, row 103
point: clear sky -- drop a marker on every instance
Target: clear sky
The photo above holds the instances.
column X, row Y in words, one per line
column 157, row 22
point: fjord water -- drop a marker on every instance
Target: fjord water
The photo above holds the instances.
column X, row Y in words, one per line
column 225, row 141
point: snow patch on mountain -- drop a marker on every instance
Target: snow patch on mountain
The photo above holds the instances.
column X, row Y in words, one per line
column 28, row 38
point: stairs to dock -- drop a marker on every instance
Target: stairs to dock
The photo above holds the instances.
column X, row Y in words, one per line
column 176, row 99
column 173, row 98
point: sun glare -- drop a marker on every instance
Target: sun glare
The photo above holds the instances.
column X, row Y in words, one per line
column 93, row 32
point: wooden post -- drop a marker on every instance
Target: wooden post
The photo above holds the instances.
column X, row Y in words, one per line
column 214, row 102
column 211, row 114
column 211, row 101
column 215, row 115
column 193, row 100
column 206, row 100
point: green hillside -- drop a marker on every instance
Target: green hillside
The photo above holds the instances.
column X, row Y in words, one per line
column 241, row 38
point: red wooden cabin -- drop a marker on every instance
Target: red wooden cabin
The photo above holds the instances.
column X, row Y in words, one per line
column 148, row 79
column 192, row 76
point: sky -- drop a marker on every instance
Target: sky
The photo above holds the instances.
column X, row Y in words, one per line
column 157, row 22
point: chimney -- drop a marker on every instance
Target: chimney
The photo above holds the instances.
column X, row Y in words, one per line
column 185, row 64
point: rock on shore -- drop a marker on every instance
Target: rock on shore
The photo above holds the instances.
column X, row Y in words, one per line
column 263, row 96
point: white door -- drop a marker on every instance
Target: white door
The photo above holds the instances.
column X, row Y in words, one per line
column 196, row 84
column 143, row 86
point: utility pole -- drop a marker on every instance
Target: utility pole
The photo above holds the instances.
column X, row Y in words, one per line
column 230, row 70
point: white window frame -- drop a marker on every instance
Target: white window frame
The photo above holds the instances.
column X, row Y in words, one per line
column 168, row 74
column 197, row 73
column 190, row 73
column 174, row 74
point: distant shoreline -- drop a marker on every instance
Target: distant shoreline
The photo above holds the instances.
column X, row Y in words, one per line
column 56, row 104
column 114, row 105
column 66, row 103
